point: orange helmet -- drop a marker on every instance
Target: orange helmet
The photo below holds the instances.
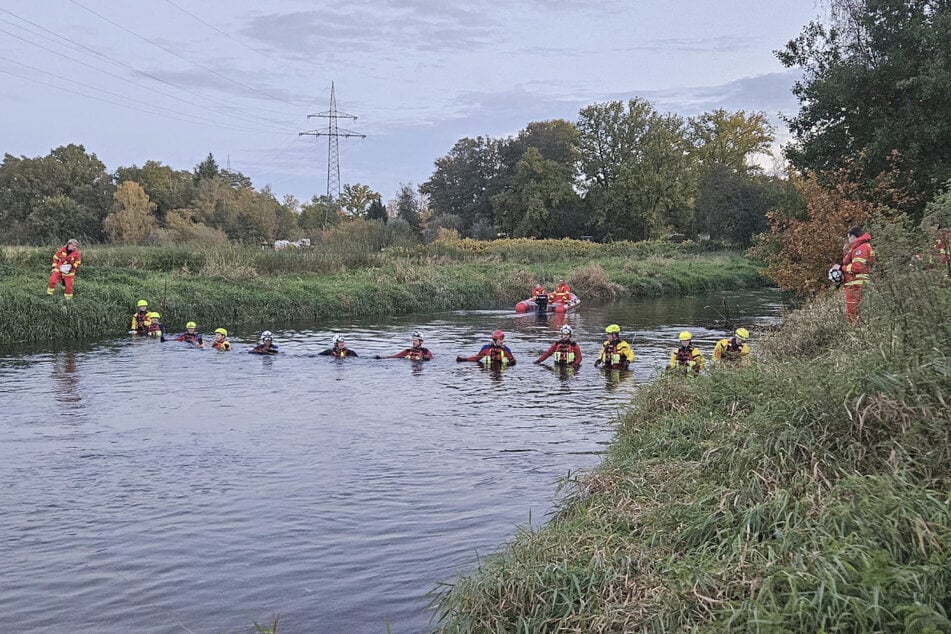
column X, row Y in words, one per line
column 498, row 334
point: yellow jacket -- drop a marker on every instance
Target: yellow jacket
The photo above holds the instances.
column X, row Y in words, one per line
column 618, row 355
column 687, row 359
column 724, row 351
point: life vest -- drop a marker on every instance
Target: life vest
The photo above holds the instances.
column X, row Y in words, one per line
column 340, row 353
column 416, row 354
column 496, row 356
column 611, row 354
column 155, row 329
column 686, row 359
column 565, row 354
column 733, row 350
column 189, row 337
column 142, row 322
column 223, row 345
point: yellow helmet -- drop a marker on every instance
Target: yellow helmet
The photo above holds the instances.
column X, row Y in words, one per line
column 742, row 333
column 141, row 303
column 221, row 331
column 612, row 329
column 191, row 324
column 686, row 336
column 154, row 315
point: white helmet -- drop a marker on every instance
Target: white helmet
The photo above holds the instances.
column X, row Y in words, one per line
column 335, row 339
column 566, row 330
column 835, row 275
column 416, row 335
column 266, row 335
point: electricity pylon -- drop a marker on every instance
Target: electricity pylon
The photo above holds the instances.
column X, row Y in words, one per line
column 333, row 133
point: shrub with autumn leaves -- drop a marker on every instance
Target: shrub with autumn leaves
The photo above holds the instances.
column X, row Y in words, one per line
column 797, row 252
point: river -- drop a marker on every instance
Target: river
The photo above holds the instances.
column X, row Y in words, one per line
column 149, row 487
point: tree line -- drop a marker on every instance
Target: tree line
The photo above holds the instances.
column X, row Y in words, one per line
column 623, row 171
column 874, row 128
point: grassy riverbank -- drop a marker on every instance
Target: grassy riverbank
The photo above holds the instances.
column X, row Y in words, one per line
column 257, row 288
column 810, row 492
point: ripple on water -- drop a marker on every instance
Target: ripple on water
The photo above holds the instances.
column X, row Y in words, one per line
column 154, row 487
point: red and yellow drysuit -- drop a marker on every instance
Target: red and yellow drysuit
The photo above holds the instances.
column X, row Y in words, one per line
column 564, row 352
column 562, row 293
column 413, row 354
column 65, row 265
column 492, row 354
column 856, row 266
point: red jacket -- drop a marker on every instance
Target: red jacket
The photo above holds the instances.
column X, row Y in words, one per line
column 569, row 353
column 858, row 260
column 72, row 258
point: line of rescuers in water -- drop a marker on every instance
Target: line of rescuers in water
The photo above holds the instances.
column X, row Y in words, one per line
column 615, row 353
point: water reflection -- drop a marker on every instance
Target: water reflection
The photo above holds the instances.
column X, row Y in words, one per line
column 613, row 378
column 65, row 380
column 336, row 494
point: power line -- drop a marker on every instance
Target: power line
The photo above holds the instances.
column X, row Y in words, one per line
column 182, row 57
column 155, row 109
column 217, row 30
column 109, row 101
column 250, row 118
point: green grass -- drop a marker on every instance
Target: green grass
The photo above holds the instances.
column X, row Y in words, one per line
column 810, row 492
column 263, row 288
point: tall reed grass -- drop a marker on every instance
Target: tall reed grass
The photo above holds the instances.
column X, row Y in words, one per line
column 263, row 288
column 810, row 492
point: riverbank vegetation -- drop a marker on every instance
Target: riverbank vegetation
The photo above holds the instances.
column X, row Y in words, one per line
column 348, row 274
column 806, row 493
column 811, row 491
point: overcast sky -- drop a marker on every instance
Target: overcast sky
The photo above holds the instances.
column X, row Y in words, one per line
column 172, row 80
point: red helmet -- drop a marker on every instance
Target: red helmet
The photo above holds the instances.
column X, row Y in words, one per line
column 498, row 334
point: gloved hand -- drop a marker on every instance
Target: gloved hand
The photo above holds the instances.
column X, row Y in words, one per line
column 597, row 363
column 376, row 356
column 460, row 358
column 537, row 362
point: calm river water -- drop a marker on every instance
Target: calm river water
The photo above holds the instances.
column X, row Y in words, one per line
column 147, row 487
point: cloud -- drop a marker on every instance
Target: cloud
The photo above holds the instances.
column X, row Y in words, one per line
column 402, row 28
column 770, row 93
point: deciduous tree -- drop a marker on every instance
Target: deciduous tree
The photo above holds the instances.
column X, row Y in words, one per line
column 875, row 95
column 132, row 219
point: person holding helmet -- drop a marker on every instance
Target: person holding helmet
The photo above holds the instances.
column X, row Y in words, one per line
column 616, row 354
column 190, row 336
column 564, row 352
column 493, row 354
column 687, row 359
column 855, row 268
column 415, row 353
column 66, row 262
column 339, row 349
column 266, row 345
column 221, row 340
column 156, row 327
column 733, row 350
column 140, row 320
